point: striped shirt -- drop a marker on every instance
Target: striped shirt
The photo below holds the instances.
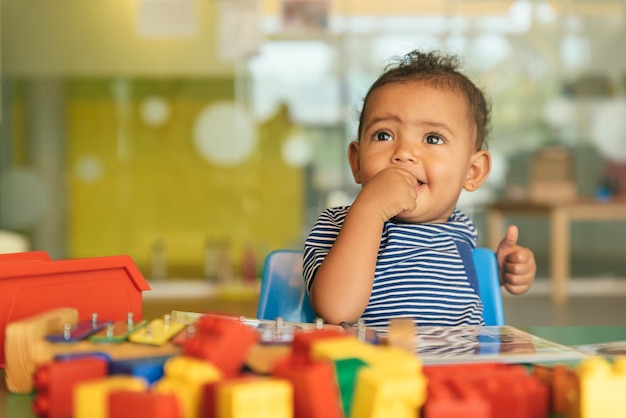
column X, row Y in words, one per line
column 420, row 270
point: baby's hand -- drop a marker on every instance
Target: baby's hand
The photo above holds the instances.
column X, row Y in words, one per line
column 516, row 264
column 390, row 192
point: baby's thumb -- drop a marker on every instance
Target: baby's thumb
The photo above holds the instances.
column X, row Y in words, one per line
column 510, row 239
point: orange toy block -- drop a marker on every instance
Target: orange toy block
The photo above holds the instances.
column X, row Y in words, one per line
column 223, row 342
column 55, row 382
column 131, row 404
column 32, row 283
column 563, row 384
column 315, row 390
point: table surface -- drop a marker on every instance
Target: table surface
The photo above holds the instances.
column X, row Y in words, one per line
column 19, row 406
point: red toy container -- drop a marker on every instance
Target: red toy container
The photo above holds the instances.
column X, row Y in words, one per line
column 32, row 283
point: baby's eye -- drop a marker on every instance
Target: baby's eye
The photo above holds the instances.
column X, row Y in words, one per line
column 382, row 136
column 433, row 139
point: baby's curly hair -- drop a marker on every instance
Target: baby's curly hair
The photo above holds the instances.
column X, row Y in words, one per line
column 438, row 70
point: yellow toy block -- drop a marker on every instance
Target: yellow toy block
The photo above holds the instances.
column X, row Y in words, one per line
column 602, row 388
column 344, row 348
column 386, row 357
column 387, row 393
column 259, row 398
column 396, row 359
column 91, row 398
column 184, row 377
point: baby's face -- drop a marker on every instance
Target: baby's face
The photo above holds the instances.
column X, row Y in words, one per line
column 422, row 129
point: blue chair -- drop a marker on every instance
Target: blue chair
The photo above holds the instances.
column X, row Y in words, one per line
column 283, row 293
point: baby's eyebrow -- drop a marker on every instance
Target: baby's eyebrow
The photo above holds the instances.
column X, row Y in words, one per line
column 438, row 125
column 386, row 118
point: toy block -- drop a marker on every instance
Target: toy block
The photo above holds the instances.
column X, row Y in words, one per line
column 262, row 357
column 395, row 358
column 54, row 384
column 346, row 371
column 157, row 332
column 452, row 399
column 602, row 387
column 315, row 390
column 185, row 377
column 209, row 402
column 27, row 348
column 563, row 384
column 343, row 348
column 188, row 333
column 130, row 404
column 302, row 341
column 508, row 397
column 263, row 398
column 223, row 342
column 91, row 398
column 33, row 283
column 509, row 389
column 381, row 394
column 149, row 368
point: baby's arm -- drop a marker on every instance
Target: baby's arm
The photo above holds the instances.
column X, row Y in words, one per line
column 343, row 282
column 516, row 263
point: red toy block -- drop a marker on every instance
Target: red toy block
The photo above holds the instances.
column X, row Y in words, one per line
column 223, row 342
column 130, row 404
column 455, row 399
column 509, row 390
column 54, row 383
column 316, row 394
column 32, row 283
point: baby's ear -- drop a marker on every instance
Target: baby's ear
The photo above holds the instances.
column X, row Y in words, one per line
column 355, row 161
column 479, row 168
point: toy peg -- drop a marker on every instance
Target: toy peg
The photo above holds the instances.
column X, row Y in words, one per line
column 84, row 329
column 118, row 331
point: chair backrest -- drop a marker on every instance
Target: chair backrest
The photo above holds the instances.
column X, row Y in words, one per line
column 486, row 266
column 283, row 293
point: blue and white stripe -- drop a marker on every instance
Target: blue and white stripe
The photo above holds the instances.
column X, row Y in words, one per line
column 419, row 272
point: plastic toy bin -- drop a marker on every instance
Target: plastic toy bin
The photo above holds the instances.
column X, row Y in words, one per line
column 32, row 283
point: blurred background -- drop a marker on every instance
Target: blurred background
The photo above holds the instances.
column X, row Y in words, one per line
column 198, row 135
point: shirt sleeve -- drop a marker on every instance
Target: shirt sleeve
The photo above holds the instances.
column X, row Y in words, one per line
column 320, row 240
